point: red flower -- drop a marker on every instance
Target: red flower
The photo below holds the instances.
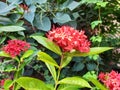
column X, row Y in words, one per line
column 111, row 80
column 15, row 47
column 68, row 38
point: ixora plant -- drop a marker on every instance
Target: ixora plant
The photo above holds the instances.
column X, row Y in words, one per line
column 67, row 43
column 17, row 51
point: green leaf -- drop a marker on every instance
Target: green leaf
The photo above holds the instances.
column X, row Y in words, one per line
column 5, row 9
column 3, row 54
column 46, row 59
column 27, row 54
column 67, row 87
column 91, row 66
column 102, row 4
column 8, row 83
column 61, row 18
column 41, row 1
column 95, row 23
column 93, row 51
column 77, row 81
column 42, row 23
column 97, row 84
column 11, row 28
column 48, row 44
column 78, row 66
column 29, row 83
column 29, row 16
column 90, row 74
column 73, row 5
column 66, row 61
column 52, row 70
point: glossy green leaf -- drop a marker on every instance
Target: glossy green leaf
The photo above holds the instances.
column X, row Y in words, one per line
column 66, row 61
column 52, row 70
column 93, row 51
column 11, row 28
column 27, row 54
column 47, row 43
column 29, row 83
column 3, row 54
column 97, row 84
column 77, row 81
column 46, row 59
column 92, row 77
column 67, row 87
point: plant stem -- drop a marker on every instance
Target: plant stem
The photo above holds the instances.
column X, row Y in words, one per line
column 58, row 75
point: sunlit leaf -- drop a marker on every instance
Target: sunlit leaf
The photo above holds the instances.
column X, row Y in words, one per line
column 46, row 59
column 77, row 81
column 52, row 70
column 29, row 83
column 93, row 51
column 48, row 44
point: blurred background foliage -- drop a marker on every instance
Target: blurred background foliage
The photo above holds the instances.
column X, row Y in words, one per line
column 99, row 18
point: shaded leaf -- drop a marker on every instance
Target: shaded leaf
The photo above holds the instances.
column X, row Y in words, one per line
column 42, row 23
column 11, row 28
column 47, row 59
column 5, row 8
column 29, row 83
column 73, row 5
column 47, row 43
column 61, row 18
column 93, row 51
column 77, row 81
column 78, row 66
column 29, row 16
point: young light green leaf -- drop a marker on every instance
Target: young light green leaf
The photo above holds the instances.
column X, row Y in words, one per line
column 3, row 54
column 66, row 61
column 47, row 59
column 11, row 28
column 52, row 70
column 77, row 81
column 8, row 83
column 29, row 83
column 102, row 4
column 95, row 23
column 27, row 54
column 48, row 44
column 93, row 51
column 67, row 87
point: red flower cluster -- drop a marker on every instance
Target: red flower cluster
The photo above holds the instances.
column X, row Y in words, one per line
column 68, row 38
column 111, row 80
column 15, row 47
